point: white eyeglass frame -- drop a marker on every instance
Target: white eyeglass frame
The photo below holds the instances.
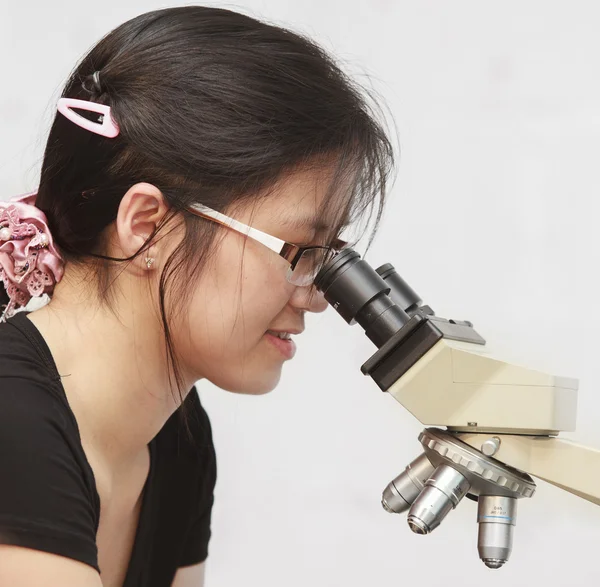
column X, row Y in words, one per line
column 291, row 252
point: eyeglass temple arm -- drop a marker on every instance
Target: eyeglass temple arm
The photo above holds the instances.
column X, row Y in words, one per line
column 274, row 243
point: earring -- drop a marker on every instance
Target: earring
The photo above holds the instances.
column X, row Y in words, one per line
column 149, row 261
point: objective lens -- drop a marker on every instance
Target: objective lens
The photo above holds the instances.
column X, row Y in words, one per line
column 400, row 494
column 360, row 295
column 442, row 493
column 496, row 517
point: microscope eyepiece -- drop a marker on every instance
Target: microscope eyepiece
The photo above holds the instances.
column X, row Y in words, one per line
column 401, row 293
column 359, row 294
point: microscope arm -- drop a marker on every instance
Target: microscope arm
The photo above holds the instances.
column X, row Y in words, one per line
column 565, row 464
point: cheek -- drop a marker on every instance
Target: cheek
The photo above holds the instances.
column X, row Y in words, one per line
column 232, row 307
column 235, row 302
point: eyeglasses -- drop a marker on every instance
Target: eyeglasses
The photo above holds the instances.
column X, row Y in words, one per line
column 304, row 262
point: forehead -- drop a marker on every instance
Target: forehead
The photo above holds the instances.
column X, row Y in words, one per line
column 305, row 199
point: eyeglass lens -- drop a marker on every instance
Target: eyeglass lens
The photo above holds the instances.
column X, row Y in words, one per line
column 309, row 265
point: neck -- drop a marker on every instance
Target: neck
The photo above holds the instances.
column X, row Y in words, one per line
column 113, row 368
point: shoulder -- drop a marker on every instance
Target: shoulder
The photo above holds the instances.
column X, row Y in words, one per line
column 47, row 496
column 22, row 353
column 31, row 397
column 38, row 433
column 31, row 394
column 28, row 406
column 39, row 437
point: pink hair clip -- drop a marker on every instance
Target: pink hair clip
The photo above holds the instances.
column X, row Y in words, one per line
column 107, row 127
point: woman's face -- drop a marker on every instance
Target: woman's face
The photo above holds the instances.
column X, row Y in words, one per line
column 243, row 293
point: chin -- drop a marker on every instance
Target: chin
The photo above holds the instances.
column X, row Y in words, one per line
column 260, row 384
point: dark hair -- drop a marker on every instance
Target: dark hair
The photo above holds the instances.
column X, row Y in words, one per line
column 214, row 107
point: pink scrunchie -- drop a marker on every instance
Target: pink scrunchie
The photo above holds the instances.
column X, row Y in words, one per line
column 30, row 264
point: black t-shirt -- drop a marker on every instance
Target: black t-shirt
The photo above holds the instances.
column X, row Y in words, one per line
column 48, row 497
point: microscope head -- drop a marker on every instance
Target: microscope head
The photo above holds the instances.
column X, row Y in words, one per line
column 440, row 369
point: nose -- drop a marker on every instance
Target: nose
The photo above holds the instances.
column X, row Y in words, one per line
column 309, row 299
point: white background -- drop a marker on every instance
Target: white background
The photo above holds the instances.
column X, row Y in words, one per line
column 493, row 218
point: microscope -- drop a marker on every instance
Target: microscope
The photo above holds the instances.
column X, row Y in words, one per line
column 491, row 425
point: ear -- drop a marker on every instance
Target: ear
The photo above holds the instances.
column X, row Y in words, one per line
column 141, row 209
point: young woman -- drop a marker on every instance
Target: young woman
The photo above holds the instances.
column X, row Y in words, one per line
column 197, row 174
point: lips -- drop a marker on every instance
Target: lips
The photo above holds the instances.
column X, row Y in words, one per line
column 286, row 346
column 283, row 335
column 293, row 331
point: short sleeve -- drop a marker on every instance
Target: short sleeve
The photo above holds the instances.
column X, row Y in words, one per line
column 195, row 547
column 47, row 502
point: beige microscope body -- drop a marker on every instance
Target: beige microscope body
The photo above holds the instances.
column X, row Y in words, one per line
column 482, row 398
